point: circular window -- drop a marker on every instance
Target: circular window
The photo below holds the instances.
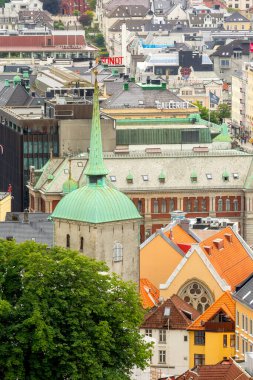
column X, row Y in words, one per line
column 197, row 295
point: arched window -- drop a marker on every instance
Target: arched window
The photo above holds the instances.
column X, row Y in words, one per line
column 164, row 206
column 81, row 244
column 117, row 252
column 227, row 204
column 155, row 206
column 236, row 208
column 68, row 241
column 220, row 204
column 172, row 204
column 197, row 295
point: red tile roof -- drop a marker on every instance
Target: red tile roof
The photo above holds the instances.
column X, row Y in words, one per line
column 225, row 370
column 149, row 294
column 228, row 256
column 224, row 303
column 178, row 317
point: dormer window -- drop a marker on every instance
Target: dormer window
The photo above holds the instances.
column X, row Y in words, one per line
column 162, row 177
column 113, row 178
column 225, row 176
column 145, row 177
column 194, row 177
column 129, row 178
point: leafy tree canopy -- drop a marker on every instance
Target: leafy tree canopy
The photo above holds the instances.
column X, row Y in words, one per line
column 223, row 111
column 52, row 6
column 62, row 316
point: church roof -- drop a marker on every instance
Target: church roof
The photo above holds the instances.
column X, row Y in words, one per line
column 97, row 201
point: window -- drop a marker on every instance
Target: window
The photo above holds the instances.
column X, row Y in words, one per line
column 209, row 176
column 162, row 336
column 246, row 324
column 227, row 204
column 188, row 205
column 196, row 295
column 225, row 340
column 199, row 359
column 148, row 332
column 243, row 321
column 117, row 252
column 81, row 244
column 145, row 177
column 164, row 206
column 236, row 208
column 113, row 178
column 237, row 318
column 199, row 337
column 232, row 340
column 251, row 327
column 196, row 205
column 203, row 205
column 68, row 241
column 238, row 54
column 139, row 205
column 220, row 204
column 155, row 206
column 162, row 356
column 185, row 338
column 172, row 205
column 235, row 175
column 225, row 63
column 237, row 342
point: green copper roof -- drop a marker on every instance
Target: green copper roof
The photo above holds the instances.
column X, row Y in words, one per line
column 69, row 186
column 194, row 175
column 16, row 79
column 129, row 176
column 95, row 164
column 96, row 204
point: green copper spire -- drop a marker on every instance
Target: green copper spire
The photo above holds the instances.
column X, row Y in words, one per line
column 95, row 165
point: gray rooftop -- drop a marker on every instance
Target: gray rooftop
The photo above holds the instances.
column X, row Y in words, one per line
column 244, row 292
column 37, row 228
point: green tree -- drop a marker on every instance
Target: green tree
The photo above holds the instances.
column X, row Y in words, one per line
column 86, row 18
column 92, row 4
column 224, row 111
column 62, row 316
column 99, row 40
column 52, row 6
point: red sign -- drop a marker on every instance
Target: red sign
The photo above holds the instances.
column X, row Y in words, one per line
column 251, row 47
column 112, row 60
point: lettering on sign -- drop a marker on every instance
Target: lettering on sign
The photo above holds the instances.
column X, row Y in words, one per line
column 171, row 105
column 112, row 60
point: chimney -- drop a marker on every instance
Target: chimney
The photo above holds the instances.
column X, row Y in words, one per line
column 208, row 249
column 185, row 224
column 229, row 237
column 219, row 243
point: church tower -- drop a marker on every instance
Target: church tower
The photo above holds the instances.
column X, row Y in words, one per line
column 97, row 219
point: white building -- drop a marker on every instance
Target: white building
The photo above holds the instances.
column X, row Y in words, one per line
column 167, row 324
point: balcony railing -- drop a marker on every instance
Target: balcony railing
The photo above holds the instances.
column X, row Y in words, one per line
column 219, row 326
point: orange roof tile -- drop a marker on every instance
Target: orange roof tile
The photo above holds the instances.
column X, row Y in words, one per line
column 149, row 294
column 228, row 256
column 179, row 236
column 225, row 303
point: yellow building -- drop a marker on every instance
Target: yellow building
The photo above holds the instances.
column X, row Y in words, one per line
column 5, row 205
column 212, row 335
column 243, row 297
column 236, row 21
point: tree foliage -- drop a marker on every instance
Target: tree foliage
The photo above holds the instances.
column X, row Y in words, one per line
column 86, row 18
column 52, row 6
column 62, row 316
column 223, row 111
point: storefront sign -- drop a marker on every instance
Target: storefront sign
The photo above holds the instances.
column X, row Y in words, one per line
column 171, row 105
column 112, row 60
